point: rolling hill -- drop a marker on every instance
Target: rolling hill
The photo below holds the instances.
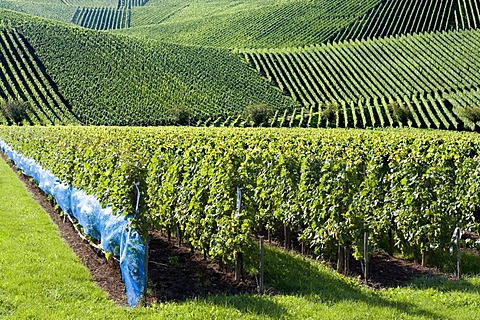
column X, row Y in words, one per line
column 343, row 63
column 115, row 80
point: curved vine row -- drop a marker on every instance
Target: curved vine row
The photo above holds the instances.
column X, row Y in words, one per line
column 28, row 94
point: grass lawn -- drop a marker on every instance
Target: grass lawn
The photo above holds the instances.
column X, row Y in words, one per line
column 41, row 278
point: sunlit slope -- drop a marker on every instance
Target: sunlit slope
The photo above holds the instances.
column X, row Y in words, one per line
column 115, row 80
column 251, row 23
column 428, row 80
column 395, row 17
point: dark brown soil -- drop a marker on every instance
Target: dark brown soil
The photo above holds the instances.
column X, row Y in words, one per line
column 176, row 273
column 389, row 272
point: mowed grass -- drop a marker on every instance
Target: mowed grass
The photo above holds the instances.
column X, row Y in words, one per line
column 41, row 278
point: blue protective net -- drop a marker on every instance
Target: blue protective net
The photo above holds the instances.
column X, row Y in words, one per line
column 115, row 232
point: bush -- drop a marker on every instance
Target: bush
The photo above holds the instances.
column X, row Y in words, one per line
column 400, row 111
column 257, row 114
column 16, row 111
column 328, row 111
column 471, row 113
column 180, row 116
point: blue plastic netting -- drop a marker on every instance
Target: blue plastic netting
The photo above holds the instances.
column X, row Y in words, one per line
column 115, row 232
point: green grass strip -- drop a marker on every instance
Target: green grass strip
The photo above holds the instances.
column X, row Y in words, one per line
column 41, row 278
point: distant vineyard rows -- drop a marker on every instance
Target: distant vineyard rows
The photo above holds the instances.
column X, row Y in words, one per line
column 25, row 85
column 106, row 18
column 394, row 17
column 115, row 80
column 253, row 23
column 102, row 18
column 424, row 81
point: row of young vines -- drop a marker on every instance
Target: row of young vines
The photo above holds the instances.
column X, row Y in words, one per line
column 406, row 189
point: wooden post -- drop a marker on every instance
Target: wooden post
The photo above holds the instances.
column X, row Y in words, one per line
column 239, row 266
column 459, row 253
column 424, row 258
column 365, row 254
column 261, row 287
column 390, row 242
column 286, row 233
column 341, row 259
column 346, row 269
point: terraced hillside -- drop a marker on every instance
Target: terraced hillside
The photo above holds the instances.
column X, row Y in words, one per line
column 107, row 17
column 419, row 81
column 28, row 95
column 114, row 80
column 393, row 17
column 252, row 23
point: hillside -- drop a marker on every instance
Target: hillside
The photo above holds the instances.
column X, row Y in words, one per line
column 425, row 81
column 253, row 23
column 219, row 23
column 114, row 80
column 259, row 23
column 344, row 63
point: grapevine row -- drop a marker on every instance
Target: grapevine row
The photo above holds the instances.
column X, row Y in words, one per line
column 24, row 81
column 102, row 18
column 403, row 79
column 393, row 17
column 326, row 186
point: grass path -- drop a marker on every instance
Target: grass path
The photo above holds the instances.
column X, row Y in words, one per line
column 41, row 278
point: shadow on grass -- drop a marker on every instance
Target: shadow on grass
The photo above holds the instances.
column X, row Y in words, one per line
column 292, row 274
column 295, row 275
column 251, row 304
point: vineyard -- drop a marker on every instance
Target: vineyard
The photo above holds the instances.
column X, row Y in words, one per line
column 28, row 94
column 89, row 90
column 405, row 187
column 423, row 81
column 105, row 18
column 394, row 17
column 115, row 80
column 102, row 18
column 253, row 23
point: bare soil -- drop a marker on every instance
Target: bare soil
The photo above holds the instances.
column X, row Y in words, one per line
column 389, row 272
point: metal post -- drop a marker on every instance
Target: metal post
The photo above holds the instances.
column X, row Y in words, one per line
column 239, row 255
